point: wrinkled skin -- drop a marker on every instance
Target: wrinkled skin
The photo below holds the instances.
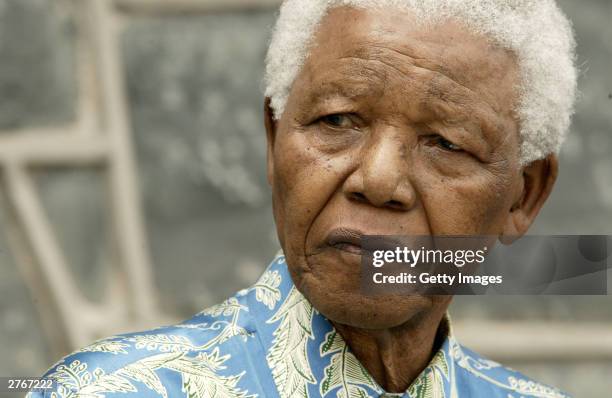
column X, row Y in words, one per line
column 395, row 129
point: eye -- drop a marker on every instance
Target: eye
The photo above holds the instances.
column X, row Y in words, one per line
column 338, row 121
column 445, row 144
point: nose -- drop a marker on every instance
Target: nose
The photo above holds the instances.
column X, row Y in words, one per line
column 382, row 177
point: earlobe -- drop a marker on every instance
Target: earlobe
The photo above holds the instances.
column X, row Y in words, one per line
column 538, row 180
column 270, row 124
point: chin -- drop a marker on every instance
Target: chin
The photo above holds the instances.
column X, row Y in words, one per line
column 331, row 282
column 354, row 309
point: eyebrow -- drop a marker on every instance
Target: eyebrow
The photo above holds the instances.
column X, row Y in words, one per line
column 338, row 88
column 469, row 118
column 448, row 110
column 446, row 103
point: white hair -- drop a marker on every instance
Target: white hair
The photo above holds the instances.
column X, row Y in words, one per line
column 536, row 31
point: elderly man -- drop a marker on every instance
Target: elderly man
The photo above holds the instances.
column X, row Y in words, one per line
column 383, row 117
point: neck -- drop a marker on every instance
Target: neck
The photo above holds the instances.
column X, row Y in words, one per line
column 396, row 356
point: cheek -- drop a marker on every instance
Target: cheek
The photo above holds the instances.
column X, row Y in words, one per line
column 304, row 180
column 478, row 204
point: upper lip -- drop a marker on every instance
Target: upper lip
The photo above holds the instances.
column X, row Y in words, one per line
column 344, row 235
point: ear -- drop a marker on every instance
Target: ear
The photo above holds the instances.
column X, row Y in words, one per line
column 271, row 126
column 537, row 183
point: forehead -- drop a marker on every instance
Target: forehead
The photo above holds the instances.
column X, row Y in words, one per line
column 376, row 43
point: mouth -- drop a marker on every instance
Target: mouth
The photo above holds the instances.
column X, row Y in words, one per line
column 351, row 241
column 346, row 240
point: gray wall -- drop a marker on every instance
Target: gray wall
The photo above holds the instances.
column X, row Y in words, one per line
column 194, row 90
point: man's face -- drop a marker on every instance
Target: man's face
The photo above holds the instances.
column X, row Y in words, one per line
column 390, row 129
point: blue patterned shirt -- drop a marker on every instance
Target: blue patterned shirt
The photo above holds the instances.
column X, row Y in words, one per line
column 266, row 341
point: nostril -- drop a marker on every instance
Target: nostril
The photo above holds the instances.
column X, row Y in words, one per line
column 395, row 204
column 358, row 197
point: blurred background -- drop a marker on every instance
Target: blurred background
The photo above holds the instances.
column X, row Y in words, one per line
column 133, row 191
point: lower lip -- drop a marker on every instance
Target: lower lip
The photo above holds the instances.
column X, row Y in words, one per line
column 348, row 248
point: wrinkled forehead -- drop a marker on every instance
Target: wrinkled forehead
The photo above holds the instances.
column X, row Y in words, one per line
column 396, row 37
